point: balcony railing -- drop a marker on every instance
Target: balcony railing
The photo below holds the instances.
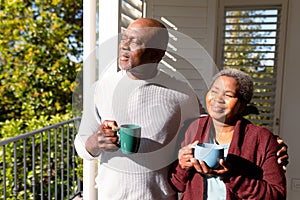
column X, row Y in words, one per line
column 41, row 164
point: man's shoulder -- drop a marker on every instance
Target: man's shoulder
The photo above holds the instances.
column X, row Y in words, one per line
column 173, row 82
column 110, row 77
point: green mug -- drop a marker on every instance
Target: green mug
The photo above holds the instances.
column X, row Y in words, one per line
column 130, row 136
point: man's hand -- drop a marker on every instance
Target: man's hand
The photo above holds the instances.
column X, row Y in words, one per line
column 104, row 139
column 283, row 157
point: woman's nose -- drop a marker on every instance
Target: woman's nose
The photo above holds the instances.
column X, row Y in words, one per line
column 219, row 97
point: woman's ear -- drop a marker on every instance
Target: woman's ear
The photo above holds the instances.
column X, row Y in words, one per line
column 242, row 107
column 250, row 109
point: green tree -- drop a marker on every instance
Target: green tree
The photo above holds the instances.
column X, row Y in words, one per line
column 40, row 52
column 40, row 57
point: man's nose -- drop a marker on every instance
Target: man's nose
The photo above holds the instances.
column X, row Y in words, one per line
column 125, row 45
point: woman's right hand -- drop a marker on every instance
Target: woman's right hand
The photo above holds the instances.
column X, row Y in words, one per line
column 185, row 155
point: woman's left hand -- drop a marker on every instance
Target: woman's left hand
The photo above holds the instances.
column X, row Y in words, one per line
column 222, row 171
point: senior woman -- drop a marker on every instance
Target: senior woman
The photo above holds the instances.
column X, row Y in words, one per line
column 249, row 169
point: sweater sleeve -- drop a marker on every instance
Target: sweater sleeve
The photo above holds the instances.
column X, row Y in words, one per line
column 268, row 180
column 90, row 121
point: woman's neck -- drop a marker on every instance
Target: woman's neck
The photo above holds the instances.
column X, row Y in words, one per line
column 223, row 132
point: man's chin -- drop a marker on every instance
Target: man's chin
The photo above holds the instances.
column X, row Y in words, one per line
column 122, row 68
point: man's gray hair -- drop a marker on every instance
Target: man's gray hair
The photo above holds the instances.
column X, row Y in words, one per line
column 244, row 81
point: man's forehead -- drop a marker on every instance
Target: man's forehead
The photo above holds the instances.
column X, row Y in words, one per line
column 134, row 30
column 139, row 33
column 131, row 31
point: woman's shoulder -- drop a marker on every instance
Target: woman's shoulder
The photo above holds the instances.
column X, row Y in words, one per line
column 197, row 124
column 200, row 121
column 257, row 130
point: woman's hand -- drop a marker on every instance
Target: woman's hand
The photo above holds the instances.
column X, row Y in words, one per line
column 185, row 155
column 222, row 171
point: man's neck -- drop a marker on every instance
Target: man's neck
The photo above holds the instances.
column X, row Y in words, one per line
column 143, row 72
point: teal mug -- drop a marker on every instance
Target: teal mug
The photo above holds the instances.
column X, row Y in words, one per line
column 130, row 136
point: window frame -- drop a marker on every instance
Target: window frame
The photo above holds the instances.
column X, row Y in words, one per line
column 280, row 51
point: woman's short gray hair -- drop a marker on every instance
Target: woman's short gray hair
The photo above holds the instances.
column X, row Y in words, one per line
column 244, row 81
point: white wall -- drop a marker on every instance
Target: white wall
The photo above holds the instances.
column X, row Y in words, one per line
column 290, row 108
column 190, row 19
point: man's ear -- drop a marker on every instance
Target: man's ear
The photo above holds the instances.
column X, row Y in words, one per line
column 156, row 55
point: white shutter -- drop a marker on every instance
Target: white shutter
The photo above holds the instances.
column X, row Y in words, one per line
column 250, row 42
column 130, row 11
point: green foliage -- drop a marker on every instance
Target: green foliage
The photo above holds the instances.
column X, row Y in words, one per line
column 49, row 157
column 40, row 46
column 13, row 127
column 40, row 57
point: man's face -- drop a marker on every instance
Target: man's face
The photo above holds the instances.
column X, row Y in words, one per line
column 132, row 47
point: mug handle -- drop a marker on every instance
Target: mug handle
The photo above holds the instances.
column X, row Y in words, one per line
column 119, row 138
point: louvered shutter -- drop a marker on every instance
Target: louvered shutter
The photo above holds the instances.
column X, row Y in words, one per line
column 130, row 10
column 250, row 42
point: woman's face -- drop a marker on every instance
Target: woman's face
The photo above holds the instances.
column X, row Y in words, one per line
column 222, row 101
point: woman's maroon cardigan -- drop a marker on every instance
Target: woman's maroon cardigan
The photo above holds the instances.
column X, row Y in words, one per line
column 252, row 153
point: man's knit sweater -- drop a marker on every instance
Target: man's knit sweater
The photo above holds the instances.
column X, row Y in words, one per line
column 160, row 106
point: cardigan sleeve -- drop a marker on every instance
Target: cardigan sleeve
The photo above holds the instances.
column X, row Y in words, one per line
column 179, row 176
column 268, row 182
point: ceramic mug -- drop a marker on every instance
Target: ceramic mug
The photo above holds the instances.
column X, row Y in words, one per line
column 209, row 153
column 130, row 135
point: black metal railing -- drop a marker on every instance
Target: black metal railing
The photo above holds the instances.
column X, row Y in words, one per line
column 41, row 164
